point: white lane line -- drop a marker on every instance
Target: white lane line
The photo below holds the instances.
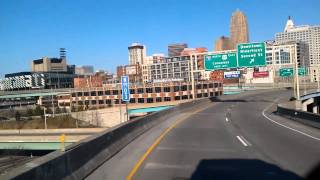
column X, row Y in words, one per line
column 154, row 165
column 227, row 119
column 263, row 113
column 242, row 141
column 246, row 141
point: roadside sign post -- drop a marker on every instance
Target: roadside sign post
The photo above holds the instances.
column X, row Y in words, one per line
column 45, row 118
column 290, row 72
column 286, row 72
column 62, row 141
column 297, row 74
column 251, row 54
column 125, row 92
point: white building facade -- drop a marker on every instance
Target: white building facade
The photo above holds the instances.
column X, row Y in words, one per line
column 279, row 55
column 137, row 54
column 310, row 35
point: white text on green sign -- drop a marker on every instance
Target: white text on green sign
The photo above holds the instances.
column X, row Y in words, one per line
column 220, row 61
column 251, row 54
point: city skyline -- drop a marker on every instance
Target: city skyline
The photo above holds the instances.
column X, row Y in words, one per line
column 106, row 47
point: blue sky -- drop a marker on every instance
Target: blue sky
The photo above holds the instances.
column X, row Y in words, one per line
column 98, row 32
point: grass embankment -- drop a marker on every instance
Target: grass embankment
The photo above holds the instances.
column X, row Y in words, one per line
column 59, row 122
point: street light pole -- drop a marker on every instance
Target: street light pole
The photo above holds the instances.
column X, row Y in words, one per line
column 52, row 103
column 317, row 78
column 273, row 68
column 304, row 77
column 120, row 103
column 192, row 77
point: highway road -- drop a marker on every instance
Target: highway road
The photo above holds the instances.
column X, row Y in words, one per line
column 234, row 137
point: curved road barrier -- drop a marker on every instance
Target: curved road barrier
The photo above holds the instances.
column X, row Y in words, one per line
column 307, row 118
column 83, row 157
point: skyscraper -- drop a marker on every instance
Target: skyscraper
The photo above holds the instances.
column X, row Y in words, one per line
column 137, row 54
column 223, row 43
column 239, row 32
column 176, row 49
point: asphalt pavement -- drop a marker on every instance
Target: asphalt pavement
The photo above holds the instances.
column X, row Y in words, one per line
column 233, row 137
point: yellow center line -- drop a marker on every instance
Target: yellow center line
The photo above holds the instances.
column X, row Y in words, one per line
column 154, row 145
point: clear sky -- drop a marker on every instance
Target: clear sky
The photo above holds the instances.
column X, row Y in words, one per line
column 98, row 32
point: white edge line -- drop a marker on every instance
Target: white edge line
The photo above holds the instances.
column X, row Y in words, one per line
column 263, row 113
column 242, row 141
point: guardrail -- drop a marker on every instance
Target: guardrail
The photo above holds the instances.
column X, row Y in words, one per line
column 80, row 159
column 32, row 91
column 307, row 118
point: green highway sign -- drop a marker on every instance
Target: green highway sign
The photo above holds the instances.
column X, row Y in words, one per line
column 288, row 72
column 251, row 54
column 302, row 71
column 220, row 61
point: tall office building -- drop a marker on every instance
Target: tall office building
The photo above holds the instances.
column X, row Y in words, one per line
column 309, row 35
column 137, row 54
column 176, row 49
column 47, row 64
column 239, row 32
column 285, row 54
column 222, row 44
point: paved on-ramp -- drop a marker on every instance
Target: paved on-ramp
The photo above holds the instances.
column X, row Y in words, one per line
column 229, row 138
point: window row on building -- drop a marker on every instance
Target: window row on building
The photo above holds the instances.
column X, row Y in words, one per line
column 157, row 92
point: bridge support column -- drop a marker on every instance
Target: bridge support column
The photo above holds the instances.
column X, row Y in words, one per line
column 40, row 100
column 306, row 103
column 315, row 108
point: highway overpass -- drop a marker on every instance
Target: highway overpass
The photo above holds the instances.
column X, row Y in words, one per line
column 230, row 137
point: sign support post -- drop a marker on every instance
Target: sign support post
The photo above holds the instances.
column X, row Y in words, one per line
column 296, row 74
column 127, row 112
column 120, row 110
column 125, row 93
column 45, row 118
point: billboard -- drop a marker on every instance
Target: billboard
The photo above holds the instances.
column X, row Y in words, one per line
column 261, row 74
column 232, row 74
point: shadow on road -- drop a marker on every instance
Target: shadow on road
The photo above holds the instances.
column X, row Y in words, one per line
column 235, row 169
column 218, row 99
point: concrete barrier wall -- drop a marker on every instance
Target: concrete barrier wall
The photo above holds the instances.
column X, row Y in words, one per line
column 81, row 158
column 307, row 118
